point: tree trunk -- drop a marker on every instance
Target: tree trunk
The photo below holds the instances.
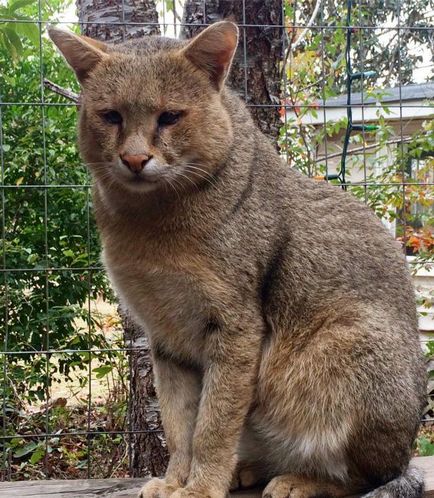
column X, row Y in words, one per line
column 107, row 20
column 149, row 455
column 104, row 20
column 256, row 71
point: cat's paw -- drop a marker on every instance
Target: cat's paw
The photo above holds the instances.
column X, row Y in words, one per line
column 247, row 475
column 286, row 486
column 157, row 488
column 193, row 493
column 291, row 486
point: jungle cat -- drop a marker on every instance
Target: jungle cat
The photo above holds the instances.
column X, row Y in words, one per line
column 280, row 313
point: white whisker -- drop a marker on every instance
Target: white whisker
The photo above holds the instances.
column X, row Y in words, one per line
column 173, row 186
column 206, row 175
column 201, row 176
column 180, row 174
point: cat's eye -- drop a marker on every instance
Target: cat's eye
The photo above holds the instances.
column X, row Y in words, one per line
column 112, row 117
column 168, row 118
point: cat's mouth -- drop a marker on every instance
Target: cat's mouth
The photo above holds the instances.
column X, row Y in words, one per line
column 142, row 183
column 138, row 179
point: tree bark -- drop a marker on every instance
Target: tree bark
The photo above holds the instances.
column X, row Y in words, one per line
column 256, row 70
column 149, row 455
column 112, row 20
column 107, row 20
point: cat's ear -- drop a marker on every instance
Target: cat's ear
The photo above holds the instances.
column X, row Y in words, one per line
column 213, row 50
column 81, row 53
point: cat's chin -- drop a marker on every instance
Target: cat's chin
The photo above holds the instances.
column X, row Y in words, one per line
column 140, row 185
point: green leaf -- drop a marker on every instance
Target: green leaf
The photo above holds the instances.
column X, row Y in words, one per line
column 19, row 4
column 102, row 371
column 426, row 448
column 25, row 450
column 14, row 40
column 16, row 441
column 37, row 455
column 81, row 465
column 30, row 31
column 4, row 40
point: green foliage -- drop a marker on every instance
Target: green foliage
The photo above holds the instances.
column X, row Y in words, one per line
column 51, row 248
column 68, row 448
column 19, row 26
column 12, row 31
column 424, row 446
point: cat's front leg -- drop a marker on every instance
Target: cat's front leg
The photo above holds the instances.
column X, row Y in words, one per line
column 178, row 389
column 227, row 393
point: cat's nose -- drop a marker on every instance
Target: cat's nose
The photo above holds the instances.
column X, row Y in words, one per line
column 135, row 162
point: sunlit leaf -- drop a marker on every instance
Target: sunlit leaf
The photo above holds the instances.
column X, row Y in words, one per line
column 14, row 40
column 30, row 31
column 19, row 4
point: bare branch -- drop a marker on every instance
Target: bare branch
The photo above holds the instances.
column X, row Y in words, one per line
column 294, row 44
column 303, row 34
column 74, row 97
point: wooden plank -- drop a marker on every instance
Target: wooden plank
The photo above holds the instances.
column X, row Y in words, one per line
column 125, row 488
column 426, row 464
column 85, row 488
column 129, row 488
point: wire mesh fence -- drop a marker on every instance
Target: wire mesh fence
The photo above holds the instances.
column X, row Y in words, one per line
column 65, row 363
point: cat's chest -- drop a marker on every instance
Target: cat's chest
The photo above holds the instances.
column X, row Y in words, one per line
column 170, row 295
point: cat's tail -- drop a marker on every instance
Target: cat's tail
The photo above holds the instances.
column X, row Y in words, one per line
column 408, row 485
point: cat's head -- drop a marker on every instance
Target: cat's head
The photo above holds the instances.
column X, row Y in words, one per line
column 152, row 114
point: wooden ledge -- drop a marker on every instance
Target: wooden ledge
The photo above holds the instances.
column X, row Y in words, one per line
column 129, row 488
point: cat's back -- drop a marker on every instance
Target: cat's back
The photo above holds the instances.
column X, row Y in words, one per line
column 330, row 241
